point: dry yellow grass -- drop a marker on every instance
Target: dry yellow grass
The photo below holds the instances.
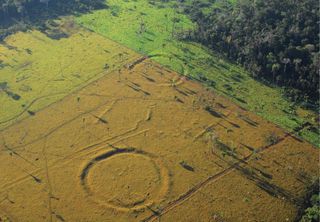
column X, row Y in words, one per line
column 42, row 70
column 144, row 143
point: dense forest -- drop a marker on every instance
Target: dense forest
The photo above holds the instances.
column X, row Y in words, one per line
column 16, row 15
column 276, row 41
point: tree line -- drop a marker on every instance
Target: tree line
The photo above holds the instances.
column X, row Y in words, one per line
column 277, row 41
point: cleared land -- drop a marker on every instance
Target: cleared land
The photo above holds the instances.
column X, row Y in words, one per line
column 152, row 29
column 39, row 68
column 144, row 143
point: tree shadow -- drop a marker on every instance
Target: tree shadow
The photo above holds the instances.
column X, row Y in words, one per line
column 24, row 15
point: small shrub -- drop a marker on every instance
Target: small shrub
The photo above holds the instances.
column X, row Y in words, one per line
column 272, row 138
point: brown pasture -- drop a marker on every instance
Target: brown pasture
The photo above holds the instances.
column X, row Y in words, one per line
column 145, row 144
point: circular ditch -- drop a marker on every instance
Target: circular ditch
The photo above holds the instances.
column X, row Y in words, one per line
column 125, row 179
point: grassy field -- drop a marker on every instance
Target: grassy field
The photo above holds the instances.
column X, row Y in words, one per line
column 38, row 69
column 151, row 29
column 132, row 146
column 93, row 130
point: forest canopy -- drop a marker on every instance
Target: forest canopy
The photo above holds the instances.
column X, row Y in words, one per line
column 277, row 41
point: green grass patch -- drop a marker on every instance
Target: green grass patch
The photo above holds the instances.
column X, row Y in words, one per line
column 36, row 70
column 150, row 28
